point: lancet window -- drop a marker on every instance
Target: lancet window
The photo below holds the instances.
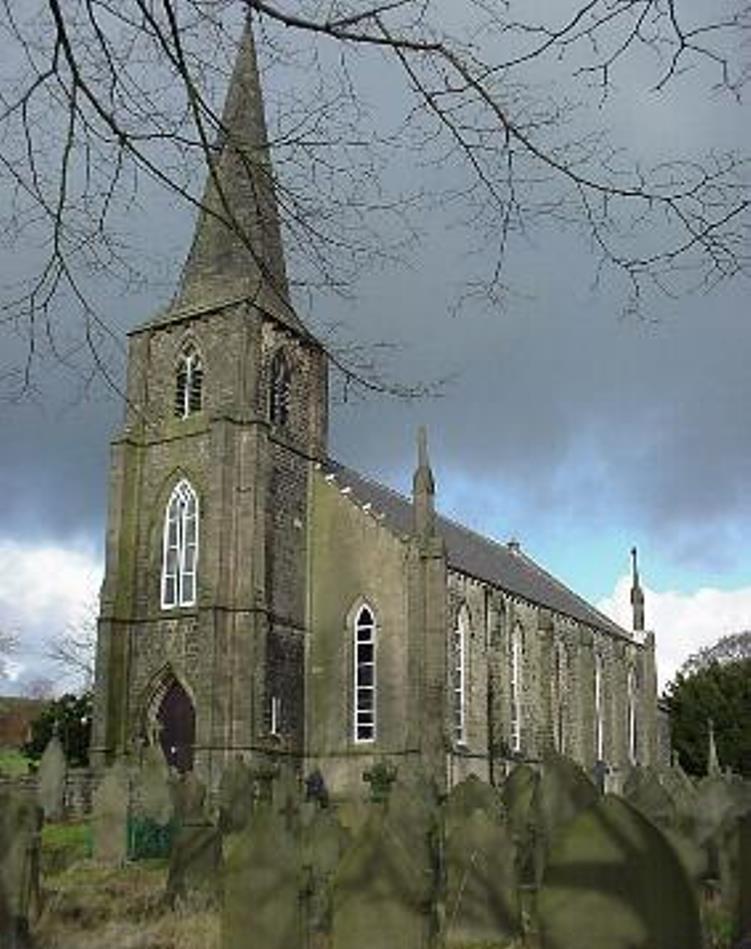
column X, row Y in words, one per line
column 515, row 690
column 188, row 383
column 459, row 675
column 180, row 547
column 365, row 675
column 279, row 389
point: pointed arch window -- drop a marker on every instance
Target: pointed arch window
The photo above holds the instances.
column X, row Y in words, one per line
column 599, row 710
column 365, row 675
column 632, row 689
column 279, row 389
column 459, row 675
column 559, row 685
column 515, row 690
column 188, row 383
column 180, row 547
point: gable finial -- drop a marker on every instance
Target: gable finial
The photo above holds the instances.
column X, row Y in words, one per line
column 637, row 595
column 423, row 487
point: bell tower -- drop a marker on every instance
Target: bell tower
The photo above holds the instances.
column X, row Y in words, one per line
column 226, row 411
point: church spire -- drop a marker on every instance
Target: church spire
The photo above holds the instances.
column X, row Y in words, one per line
column 237, row 246
column 637, row 595
column 423, row 488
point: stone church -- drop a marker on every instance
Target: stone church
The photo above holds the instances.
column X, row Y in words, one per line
column 261, row 600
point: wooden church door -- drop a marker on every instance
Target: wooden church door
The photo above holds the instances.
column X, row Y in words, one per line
column 177, row 718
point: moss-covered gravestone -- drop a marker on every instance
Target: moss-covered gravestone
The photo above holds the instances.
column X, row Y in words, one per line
column 481, row 904
column 236, row 795
column 263, row 880
column 644, row 791
column 196, row 854
column 324, row 842
column 612, row 881
column 384, row 889
column 20, row 826
column 518, row 796
column 109, row 816
column 51, row 776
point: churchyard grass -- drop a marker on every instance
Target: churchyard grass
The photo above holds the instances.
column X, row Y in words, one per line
column 64, row 844
column 13, row 763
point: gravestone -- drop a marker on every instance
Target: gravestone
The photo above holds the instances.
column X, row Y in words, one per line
column 109, row 817
column 263, row 878
column 196, row 855
column 518, row 796
column 155, row 786
column 236, row 796
column 51, row 780
column 385, row 887
column 481, row 904
column 20, row 828
column 644, row 791
column 612, row 881
column 324, row 842
column 743, row 911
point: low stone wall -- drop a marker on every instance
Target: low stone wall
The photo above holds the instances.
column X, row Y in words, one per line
column 79, row 788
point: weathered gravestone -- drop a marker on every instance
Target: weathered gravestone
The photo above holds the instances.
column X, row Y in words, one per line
column 384, row 890
column 324, row 841
column 109, row 817
column 51, row 780
column 196, row 853
column 612, row 881
column 481, row 904
column 236, row 795
column 20, row 826
column 518, row 795
column 263, row 879
column 743, row 911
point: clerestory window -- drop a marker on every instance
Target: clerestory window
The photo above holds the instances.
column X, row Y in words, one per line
column 279, row 389
column 180, row 547
column 188, row 383
column 365, row 675
column 459, row 675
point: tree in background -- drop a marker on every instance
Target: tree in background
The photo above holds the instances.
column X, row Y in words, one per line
column 72, row 716
column 732, row 648
column 8, row 645
column 103, row 106
column 720, row 692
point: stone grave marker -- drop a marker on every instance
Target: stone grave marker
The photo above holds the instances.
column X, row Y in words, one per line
column 20, row 828
column 612, row 881
column 743, row 911
column 236, row 796
column 324, row 842
column 481, row 904
column 518, row 795
column 109, row 818
column 155, row 786
column 384, row 890
column 196, row 855
column 51, row 775
column 644, row 791
column 263, row 880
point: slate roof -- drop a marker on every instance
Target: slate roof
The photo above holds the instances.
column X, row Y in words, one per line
column 475, row 555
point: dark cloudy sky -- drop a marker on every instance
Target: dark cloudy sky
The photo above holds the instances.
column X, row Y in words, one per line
column 566, row 424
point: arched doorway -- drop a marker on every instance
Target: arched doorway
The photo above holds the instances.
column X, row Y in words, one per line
column 177, row 720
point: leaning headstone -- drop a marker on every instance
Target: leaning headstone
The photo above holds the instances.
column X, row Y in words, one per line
column 384, row 889
column 263, row 882
column 481, row 904
column 612, row 881
column 644, row 791
column 51, row 780
column 196, row 854
column 324, row 841
column 154, row 786
column 109, row 818
column 20, row 827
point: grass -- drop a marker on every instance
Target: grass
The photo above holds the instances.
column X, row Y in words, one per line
column 63, row 845
column 13, row 763
column 91, row 907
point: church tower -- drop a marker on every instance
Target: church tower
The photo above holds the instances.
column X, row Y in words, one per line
column 203, row 605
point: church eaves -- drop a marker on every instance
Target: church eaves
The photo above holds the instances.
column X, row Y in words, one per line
column 237, row 252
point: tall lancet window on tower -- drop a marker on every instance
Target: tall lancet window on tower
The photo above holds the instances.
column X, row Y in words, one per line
column 365, row 675
column 188, row 383
column 559, row 691
column 279, row 389
column 180, row 547
column 459, row 675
